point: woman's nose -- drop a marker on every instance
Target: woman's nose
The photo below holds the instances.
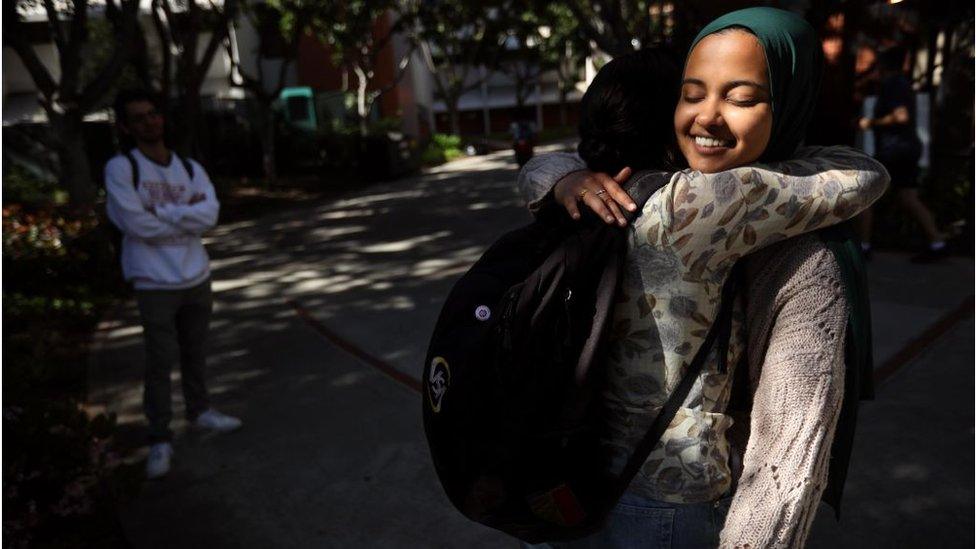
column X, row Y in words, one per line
column 708, row 114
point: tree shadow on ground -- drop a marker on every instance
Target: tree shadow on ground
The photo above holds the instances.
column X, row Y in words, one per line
column 329, row 444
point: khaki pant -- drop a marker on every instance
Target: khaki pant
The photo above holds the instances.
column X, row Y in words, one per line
column 175, row 325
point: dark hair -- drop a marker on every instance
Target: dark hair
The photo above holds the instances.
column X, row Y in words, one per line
column 892, row 59
column 125, row 97
column 627, row 113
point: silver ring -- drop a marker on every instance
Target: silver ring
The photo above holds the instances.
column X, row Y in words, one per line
column 601, row 192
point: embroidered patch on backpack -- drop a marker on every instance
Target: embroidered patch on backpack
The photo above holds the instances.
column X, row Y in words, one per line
column 438, row 382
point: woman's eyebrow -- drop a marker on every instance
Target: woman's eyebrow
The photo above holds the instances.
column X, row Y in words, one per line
column 694, row 81
column 752, row 83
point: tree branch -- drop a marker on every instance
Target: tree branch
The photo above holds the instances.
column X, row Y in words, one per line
column 602, row 40
column 166, row 47
column 219, row 34
column 15, row 36
column 125, row 29
column 70, row 58
column 175, row 33
column 54, row 25
column 400, row 71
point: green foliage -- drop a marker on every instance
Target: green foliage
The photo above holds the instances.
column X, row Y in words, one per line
column 446, row 141
column 61, row 481
column 378, row 126
column 348, row 27
column 617, row 27
column 442, row 148
column 454, row 39
column 22, row 187
column 563, row 46
column 99, row 50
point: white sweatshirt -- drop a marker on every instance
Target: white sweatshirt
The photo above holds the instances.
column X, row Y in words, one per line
column 161, row 247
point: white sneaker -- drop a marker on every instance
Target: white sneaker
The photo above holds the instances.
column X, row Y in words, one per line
column 157, row 465
column 215, row 421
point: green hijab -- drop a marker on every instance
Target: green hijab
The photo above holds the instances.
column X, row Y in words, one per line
column 793, row 60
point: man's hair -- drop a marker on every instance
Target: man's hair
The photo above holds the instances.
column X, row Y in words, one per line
column 627, row 114
column 124, row 97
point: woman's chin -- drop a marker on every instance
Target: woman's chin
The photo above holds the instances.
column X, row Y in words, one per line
column 710, row 164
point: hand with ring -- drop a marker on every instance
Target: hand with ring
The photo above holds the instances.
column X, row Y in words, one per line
column 600, row 192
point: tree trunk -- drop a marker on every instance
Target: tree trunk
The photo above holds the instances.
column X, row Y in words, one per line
column 563, row 114
column 73, row 162
column 452, row 112
column 267, row 133
column 187, row 141
column 361, row 100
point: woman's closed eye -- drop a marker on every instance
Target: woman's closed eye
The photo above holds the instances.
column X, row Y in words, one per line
column 740, row 101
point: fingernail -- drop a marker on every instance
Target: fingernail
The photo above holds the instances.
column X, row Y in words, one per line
column 575, row 216
column 631, row 207
column 609, row 218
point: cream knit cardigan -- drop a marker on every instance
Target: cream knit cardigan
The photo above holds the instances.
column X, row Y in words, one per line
column 796, row 316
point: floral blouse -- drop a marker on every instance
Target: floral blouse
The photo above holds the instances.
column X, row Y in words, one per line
column 681, row 248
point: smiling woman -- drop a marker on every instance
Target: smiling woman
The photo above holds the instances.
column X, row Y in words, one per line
column 724, row 116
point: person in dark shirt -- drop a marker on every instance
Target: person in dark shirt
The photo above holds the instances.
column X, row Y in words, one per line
column 834, row 121
column 898, row 147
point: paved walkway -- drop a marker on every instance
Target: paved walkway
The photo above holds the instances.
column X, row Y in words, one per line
column 332, row 453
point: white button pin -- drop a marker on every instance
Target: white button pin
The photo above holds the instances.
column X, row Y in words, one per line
column 482, row 313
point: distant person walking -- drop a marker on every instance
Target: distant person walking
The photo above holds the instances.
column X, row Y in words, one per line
column 162, row 204
column 898, row 147
column 834, row 120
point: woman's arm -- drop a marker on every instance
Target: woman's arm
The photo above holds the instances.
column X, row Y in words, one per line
column 561, row 177
column 796, row 403
column 712, row 220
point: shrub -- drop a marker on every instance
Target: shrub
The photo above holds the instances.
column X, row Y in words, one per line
column 21, row 187
column 442, row 148
column 60, row 480
column 61, row 484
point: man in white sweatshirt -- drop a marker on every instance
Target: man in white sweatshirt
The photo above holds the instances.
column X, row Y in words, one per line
column 163, row 204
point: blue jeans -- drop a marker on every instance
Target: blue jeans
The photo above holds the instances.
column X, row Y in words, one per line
column 640, row 522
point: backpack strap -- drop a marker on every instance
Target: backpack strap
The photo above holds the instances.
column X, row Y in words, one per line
column 135, row 169
column 187, row 165
column 641, row 186
column 677, row 398
column 858, row 359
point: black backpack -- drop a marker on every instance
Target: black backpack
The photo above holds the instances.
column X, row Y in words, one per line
column 512, row 370
column 187, row 165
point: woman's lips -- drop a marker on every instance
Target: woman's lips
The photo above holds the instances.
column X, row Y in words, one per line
column 709, row 146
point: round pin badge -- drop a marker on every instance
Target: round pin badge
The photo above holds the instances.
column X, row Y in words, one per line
column 482, row 313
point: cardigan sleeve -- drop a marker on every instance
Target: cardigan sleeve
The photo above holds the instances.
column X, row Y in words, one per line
column 795, row 408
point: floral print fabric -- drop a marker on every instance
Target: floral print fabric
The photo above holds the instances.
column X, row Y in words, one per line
column 681, row 248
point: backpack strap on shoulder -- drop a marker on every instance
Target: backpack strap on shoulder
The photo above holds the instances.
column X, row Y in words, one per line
column 680, row 393
column 641, row 186
column 135, row 169
column 858, row 357
column 187, row 165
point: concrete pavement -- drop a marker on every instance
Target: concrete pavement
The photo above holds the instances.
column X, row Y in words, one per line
column 332, row 453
